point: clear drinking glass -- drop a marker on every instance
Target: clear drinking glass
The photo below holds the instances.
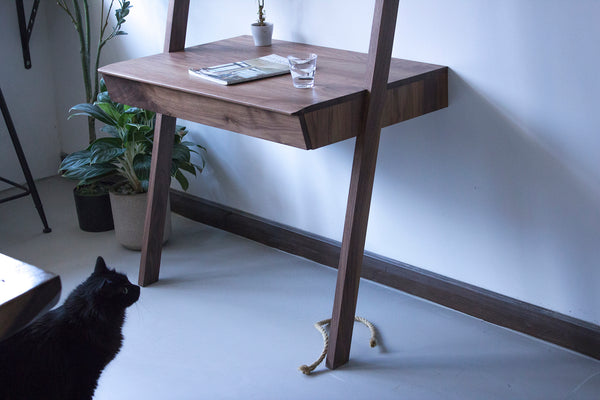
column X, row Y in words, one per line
column 302, row 68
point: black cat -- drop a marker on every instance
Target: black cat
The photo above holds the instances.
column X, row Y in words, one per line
column 61, row 355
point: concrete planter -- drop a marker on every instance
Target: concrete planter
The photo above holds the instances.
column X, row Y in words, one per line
column 262, row 33
column 129, row 213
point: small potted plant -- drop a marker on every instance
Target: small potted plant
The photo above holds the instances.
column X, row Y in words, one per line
column 262, row 31
column 126, row 154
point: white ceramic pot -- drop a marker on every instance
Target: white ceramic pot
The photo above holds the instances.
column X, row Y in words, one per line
column 262, row 33
column 129, row 214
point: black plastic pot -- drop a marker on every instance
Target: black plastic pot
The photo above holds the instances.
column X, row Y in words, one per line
column 94, row 212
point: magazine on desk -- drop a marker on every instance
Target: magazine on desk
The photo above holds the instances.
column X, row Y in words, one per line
column 244, row 71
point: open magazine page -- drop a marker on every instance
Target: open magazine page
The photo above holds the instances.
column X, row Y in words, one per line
column 243, row 71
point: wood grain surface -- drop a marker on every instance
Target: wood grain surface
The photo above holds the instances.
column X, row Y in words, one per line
column 158, row 192
column 361, row 184
column 177, row 18
column 162, row 149
column 25, row 293
column 272, row 108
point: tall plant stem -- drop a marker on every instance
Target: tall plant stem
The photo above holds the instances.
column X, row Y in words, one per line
column 99, row 48
column 84, row 51
column 80, row 17
column 92, row 94
column 84, row 41
column 126, row 167
column 101, row 42
column 88, row 39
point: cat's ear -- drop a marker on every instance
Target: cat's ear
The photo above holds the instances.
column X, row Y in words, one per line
column 100, row 266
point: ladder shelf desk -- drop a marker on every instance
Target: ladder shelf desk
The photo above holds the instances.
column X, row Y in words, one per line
column 351, row 98
column 272, row 108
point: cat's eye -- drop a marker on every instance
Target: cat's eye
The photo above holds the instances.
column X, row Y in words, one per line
column 124, row 290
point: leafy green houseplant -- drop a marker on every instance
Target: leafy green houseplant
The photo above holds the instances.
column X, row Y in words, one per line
column 262, row 31
column 92, row 200
column 126, row 154
column 127, row 151
column 79, row 13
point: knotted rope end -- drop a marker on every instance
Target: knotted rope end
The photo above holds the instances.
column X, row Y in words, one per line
column 305, row 369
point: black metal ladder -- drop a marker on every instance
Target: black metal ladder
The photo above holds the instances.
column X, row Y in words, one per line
column 30, row 189
column 25, row 31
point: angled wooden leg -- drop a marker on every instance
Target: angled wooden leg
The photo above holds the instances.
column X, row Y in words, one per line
column 361, row 185
column 160, row 179
column 353, row 244
column 158, row 192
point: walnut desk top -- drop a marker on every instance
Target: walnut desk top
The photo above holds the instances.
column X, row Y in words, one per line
column 272, row 108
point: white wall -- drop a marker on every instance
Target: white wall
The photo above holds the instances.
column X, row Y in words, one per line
column 500, row 190
column 29, row 95
column 68, row 75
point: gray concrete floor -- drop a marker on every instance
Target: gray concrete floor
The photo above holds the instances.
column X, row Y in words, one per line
column 232, row 319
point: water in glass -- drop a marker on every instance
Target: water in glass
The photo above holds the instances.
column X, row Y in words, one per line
column 302, row 69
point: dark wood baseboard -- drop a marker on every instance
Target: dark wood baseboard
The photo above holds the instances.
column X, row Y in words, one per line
column 553, row 327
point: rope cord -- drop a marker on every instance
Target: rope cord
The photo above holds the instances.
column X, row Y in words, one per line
column 320, row 326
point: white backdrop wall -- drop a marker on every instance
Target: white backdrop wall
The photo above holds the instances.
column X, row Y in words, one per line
column 500, row 190
column 29, row 95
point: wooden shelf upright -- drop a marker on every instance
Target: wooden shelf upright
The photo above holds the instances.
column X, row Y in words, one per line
column 355, row 95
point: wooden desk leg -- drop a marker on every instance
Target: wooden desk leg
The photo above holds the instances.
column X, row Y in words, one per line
column 160, row 178
column 158, row 192
column 361, row 184
column 353, row 245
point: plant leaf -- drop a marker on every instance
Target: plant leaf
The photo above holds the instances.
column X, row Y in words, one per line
column 74, row 161
column 92, row 110
column 189, row 167
column 124, row 118
column 111, row 109
column 181, row 152
column 103, row 85
column 133, row 110
column 105, row 150
column 141, row 166
column 140, row 127
column 89, row 172
column 182, row 180
column 103, row 97
column 111, row 130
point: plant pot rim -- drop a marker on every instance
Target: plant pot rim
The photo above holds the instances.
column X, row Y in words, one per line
column 78, row 191
column 113, row 190
column 266, row 24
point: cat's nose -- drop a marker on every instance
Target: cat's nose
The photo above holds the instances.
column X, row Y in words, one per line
column 135, row 292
